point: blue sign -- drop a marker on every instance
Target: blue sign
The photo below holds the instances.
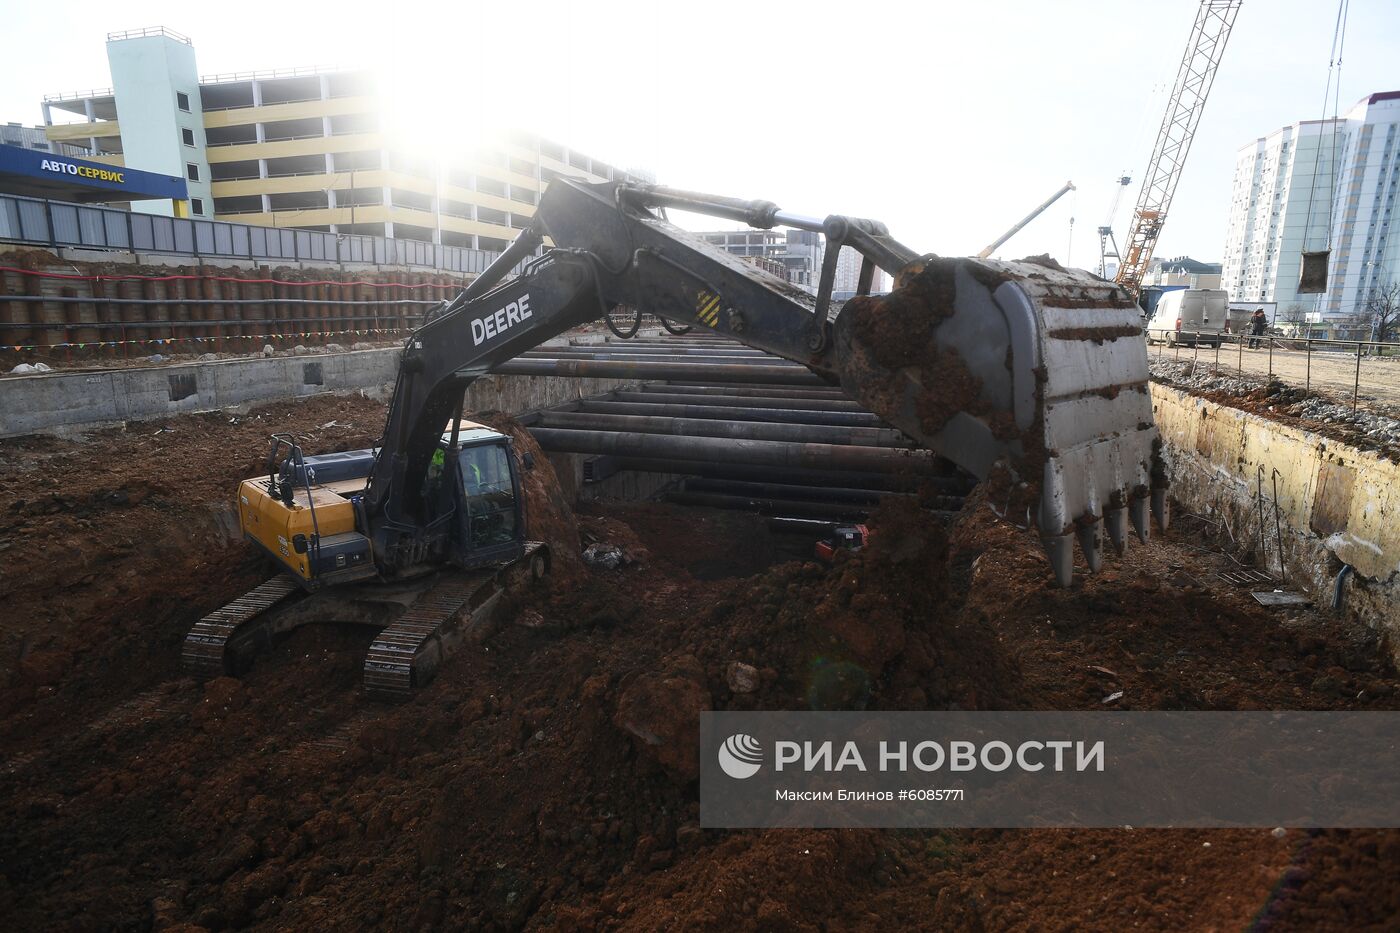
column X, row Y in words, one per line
column 48, row 172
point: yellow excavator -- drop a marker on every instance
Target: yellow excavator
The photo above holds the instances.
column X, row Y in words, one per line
column 1022, row 370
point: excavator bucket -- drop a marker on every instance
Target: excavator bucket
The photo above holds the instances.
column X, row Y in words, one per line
column 1026, row 373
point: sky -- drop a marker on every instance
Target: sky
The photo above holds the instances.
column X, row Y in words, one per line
column 947, row 121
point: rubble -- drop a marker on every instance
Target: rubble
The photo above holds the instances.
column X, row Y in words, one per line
column 1283, row 402
column 603, row 555
column 741, row 677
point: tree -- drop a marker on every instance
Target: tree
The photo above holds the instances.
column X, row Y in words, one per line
column 1381, row 311
column 1295, row 317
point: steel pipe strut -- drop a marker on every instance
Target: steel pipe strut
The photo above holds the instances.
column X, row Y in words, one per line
column 853, row 419
column 632, row 369
column 739, row 430
column 714, row 500
column 786, row 508
column 680, row 388
column 698, row 342
column 652, row 349
column 876, row 482
column 734, row 487
column 659, row 356
column 737, row 401
column 725, row 450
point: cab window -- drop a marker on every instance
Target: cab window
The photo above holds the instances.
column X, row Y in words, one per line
column 489, row 495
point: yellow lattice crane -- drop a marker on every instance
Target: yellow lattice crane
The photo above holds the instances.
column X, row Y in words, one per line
column 1214, row 20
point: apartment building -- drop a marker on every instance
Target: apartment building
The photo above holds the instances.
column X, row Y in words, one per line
column 1312, row 185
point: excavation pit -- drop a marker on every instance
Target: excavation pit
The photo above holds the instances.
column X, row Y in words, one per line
column 545, row 777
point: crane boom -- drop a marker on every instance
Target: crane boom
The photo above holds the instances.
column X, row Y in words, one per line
column 991, row 248
column 1204, row 48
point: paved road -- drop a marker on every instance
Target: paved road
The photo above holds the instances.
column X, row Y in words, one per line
column 1331, row 371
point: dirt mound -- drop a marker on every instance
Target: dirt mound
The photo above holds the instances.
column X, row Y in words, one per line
column 31, row 260
column 548, row 515
column 877, row 630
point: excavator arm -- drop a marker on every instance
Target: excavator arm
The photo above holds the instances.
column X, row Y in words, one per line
column 1020, row 370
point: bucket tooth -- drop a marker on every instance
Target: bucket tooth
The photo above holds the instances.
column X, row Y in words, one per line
column 1116, row 524
column 1091, row 543
column 1060, row 550
column 1159, row 509
column 1137, row 511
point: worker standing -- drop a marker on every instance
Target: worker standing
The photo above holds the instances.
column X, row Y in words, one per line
column 1258, row 321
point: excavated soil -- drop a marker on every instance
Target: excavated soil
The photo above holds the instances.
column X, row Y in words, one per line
column 546, row 778
column 893, row 342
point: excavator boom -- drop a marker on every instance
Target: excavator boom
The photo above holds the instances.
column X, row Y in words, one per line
column 1017, row 368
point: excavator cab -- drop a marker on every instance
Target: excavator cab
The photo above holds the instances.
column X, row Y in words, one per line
column 490, row 525
column 305, row 514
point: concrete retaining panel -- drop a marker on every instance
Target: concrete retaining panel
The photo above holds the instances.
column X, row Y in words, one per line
column 1338, row 505
column 66, row 400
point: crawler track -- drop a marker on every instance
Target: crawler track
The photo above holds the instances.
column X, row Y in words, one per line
column 205, row 649
column 389, row 666
column 407, row 653
column 414, row 634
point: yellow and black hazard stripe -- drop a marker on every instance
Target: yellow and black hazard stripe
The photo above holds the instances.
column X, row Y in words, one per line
column 707, row 305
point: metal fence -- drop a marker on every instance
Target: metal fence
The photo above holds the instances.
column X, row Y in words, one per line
column 59, row 223
column 1362, row 370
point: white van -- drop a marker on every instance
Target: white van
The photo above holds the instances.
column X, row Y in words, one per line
column 1192, row 316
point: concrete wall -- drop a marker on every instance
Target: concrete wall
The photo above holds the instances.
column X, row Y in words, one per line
column 66, row 400
column 1337, row 504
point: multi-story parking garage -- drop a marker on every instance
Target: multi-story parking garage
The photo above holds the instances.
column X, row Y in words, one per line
column 305, row 148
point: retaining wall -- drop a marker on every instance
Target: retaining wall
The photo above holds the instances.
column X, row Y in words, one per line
column 105, row 311
column 1337, row 504
column 59, row 400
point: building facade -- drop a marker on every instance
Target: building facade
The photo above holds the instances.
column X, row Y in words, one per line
column 796, row 255
column 1310, row 186
column 34, row 137
column 847, row 281
column 1183, row 271
column 306, row 148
